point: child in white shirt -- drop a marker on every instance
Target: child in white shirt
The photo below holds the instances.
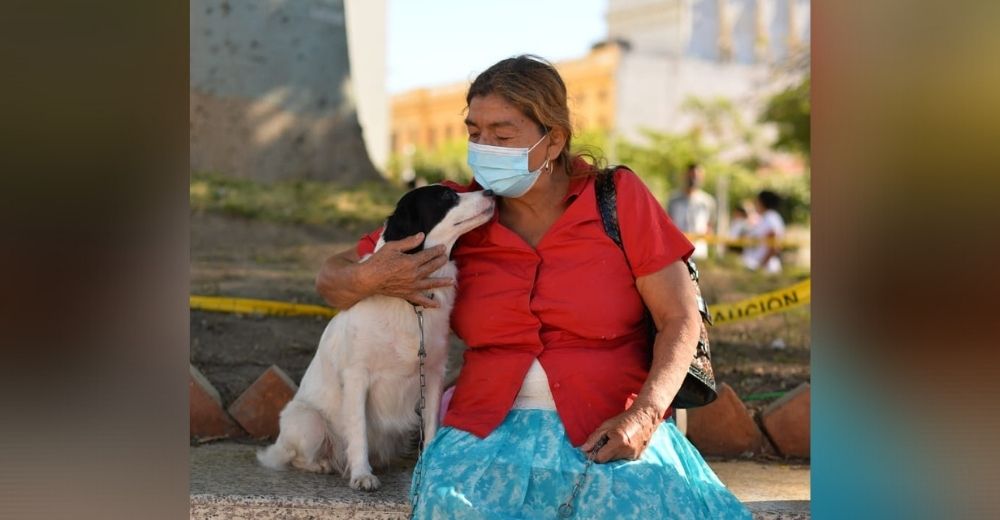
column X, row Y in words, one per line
column 770, row 229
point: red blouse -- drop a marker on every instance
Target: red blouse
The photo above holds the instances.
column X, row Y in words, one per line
column 571, row 303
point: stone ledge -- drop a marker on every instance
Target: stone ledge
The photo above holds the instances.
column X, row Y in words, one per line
column 780, row 509
column 227, row 483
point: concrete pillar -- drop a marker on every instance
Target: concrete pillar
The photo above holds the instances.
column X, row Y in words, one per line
column 793, row 30
column 761, row 37
column 366, row 44
column 725, row 31
column 271, row 93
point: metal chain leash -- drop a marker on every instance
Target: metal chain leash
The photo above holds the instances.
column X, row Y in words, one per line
column 421, row 355
column 566, row 509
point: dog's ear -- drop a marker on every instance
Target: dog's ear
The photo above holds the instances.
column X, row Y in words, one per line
column 403, row 223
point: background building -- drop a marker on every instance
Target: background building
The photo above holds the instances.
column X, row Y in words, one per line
column 699, row 48
column 657, row 54
column 428, row 117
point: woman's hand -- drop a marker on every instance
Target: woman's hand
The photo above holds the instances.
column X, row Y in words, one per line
column 628, row 434
column 391, row 272
column 342, row 281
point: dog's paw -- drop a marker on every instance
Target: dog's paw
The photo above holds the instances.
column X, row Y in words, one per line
column 366, row 482
column 322, row 466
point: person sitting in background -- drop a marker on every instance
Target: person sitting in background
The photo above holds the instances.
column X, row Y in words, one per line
column 769, row 230
column 739, row 228
column 692, row 209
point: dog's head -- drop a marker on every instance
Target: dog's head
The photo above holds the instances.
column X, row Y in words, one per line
column 440, row 212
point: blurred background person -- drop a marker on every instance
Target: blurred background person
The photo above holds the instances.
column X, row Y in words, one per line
column 740, row 223
column 693, row 210
column 769, row 230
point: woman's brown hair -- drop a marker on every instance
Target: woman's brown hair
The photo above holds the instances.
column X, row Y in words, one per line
column 534, row 87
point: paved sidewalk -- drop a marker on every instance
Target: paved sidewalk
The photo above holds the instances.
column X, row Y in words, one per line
column 227, row 483
column 769, row 490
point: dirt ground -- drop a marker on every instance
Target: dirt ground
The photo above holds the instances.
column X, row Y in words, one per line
column 237, row 257
column 232, row 256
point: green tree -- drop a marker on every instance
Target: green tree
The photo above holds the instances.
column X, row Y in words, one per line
column 790, row 110
column 719, row 124
column 445, row 161
column 661, row 158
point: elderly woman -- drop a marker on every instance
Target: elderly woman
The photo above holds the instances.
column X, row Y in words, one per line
column 552, row 311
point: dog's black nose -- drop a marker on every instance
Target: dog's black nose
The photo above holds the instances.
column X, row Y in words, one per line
column 488, row 193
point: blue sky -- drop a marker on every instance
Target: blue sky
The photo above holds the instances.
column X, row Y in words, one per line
column 433, row 42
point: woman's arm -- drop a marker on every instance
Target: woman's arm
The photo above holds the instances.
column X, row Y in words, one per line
column 670, row 297
column 344, row 280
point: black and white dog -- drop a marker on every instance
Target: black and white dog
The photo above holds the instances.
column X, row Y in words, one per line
column 359, row 395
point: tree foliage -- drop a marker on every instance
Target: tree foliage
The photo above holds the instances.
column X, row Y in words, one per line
column 661, row 159
column 447, row 161
column 790, row 111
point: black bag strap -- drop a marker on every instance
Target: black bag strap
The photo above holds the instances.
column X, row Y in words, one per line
column 607, row 206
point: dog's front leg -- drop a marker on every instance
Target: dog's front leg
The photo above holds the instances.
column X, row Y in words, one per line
column 356, row 384
column 432, row 403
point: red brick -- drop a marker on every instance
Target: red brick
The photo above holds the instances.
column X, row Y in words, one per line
column 725, row 427
column 257, row 409
column 209, row 421
column 787, row 422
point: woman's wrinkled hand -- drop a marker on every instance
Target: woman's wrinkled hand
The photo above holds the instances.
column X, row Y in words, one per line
column 391, row 272
column 628, row 434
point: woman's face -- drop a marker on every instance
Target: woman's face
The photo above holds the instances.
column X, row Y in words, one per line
column 495, row 122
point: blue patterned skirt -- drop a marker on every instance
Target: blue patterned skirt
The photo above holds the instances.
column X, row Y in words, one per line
column 527, row 468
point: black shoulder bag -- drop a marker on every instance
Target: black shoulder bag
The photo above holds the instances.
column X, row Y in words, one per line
column 698, row 388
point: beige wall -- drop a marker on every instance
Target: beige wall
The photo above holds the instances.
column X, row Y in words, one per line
column 427, row 117
column 590, row 82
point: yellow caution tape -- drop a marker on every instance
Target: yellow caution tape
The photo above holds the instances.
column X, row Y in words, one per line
column 762, row 304
column 250, row 306
column 744, row 242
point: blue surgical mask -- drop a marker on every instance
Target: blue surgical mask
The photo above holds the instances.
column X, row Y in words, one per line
column 504, row 170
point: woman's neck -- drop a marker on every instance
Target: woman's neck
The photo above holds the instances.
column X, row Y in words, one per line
column 544, row 197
